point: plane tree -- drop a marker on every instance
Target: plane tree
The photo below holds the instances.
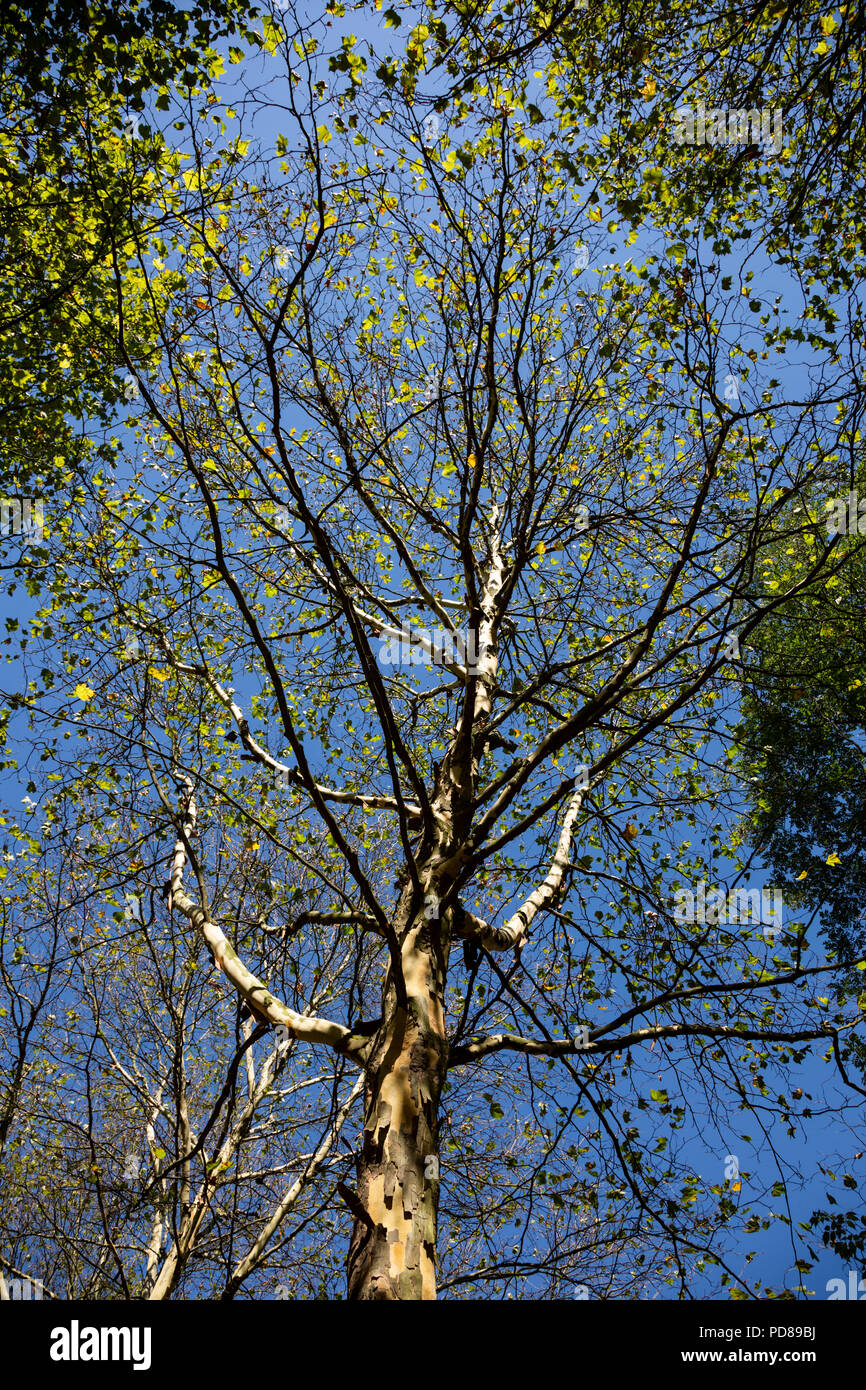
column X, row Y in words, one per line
column 449, row 550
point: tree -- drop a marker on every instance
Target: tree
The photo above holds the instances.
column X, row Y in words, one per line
column 77, row 153
column 112, row 1187
column 453, row 551
column 801, row 734
column 803, row 722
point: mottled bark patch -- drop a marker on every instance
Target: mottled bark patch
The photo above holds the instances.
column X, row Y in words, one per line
column 392, row 1252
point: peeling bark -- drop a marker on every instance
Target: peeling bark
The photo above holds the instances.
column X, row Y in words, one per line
column 393, row 1248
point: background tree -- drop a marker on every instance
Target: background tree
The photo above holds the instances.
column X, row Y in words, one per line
column 77, row 152
column 801, row 735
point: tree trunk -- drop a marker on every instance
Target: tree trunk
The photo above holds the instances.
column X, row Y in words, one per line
column 393, row 1249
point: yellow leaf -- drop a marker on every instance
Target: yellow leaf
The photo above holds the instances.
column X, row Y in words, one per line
column 471, row 461
column 158, row 675
column 649, row 88
column 833, row 859
column 83, row 692
column 804, row 874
